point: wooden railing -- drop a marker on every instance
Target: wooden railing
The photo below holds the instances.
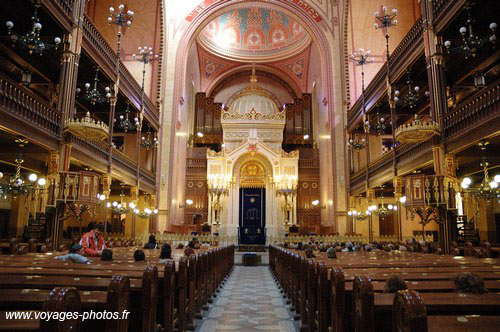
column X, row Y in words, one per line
column 148, row 179
column 98, row 43
column 411, row 44
column 479, row 108
column 122, row 162
column 23, row 105
column 406, row 151
column 380, row 162
column 443, row 11
column 95, row 149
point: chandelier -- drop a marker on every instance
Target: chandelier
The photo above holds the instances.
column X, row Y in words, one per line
column 87, row 128
column 93, row 96
column 488, row 188
column 147, row 142
column 31, row 41
column 121, row 207
column 386, row 20
column 416, row 131
column 146, row 213
column 383, row 211
column 17, row 184
column 378, row 127
column 358, row 215
column 356, row 143
column 471, row 43
column 412, row 97
column 125, row 124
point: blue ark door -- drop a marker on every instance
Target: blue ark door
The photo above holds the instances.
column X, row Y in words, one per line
column 252, row 216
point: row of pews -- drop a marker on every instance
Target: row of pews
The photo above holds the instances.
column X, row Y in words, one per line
column 157, row 296
column 346, row 293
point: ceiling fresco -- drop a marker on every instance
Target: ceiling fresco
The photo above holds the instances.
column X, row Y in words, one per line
column 254, row 34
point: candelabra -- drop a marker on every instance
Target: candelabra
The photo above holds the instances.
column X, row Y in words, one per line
column 218, row 184
column 125, row 124
column 471, row 43
column 93, row 95
column 358, row 215
column 384, row 22
column 121, row 19
column 31, row 41
column 361, row 58
column 146, row 213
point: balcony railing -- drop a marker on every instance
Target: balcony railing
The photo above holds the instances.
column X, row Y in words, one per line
column 98, row 43
column 479, row 108
column 98, row 150
column 410, row 46
column 148, row 179
column 21, row 104
column 125, row 164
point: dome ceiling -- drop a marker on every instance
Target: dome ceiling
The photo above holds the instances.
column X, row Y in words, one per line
column 254, row 34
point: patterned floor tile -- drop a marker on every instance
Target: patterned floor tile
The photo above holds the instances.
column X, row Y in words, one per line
column 249, row 301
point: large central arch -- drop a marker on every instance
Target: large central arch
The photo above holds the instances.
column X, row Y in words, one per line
column 188, row 37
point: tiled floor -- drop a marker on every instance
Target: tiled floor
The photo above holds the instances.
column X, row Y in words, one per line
column 249, row 301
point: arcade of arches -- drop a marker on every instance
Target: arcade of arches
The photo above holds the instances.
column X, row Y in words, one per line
column 227, row 91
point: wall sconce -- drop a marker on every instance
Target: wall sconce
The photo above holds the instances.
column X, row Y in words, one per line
column 315, row 202
column 199, row 134
column 479, row 81
column 306, row 137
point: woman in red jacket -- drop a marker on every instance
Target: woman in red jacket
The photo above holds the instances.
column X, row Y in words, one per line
column 93, row 241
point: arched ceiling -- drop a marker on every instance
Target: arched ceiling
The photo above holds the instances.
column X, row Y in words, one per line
column 254, row 34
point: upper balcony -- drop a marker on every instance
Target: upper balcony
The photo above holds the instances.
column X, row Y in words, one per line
column 103, row 54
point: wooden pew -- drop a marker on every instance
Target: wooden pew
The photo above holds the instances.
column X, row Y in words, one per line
column 60, row 299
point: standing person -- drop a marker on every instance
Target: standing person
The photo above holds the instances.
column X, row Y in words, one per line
column 93, row 241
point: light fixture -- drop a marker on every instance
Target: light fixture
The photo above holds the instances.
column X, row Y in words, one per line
column 362, row 58
column 148, row 142
column 199, row 134
column 306, row 137
column 108, row 204
column 402, row 199
column 26, row 76
column 471, row 43
column 120, row 208
column 479, row 80
column 356, row 143
column 131, row 205
column 358, row 215
column 93, row 96
column 31, row 41
column 315, row 202
column 125, row 124
column 488, row 189
column 189, row 201
column 121, row 19
column 384, row 211
column 378, row 127
column 17, row 185
column 412, row 98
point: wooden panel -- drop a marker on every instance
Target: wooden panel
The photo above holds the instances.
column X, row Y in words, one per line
column 196, row 188
column 308, row 215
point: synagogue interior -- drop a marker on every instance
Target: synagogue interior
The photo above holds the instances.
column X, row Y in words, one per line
column 249, row 165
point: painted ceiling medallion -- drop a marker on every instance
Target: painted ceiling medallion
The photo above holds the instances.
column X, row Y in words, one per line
column 254, row 34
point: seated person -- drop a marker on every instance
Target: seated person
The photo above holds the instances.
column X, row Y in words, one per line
column 331, row 253
column 188, row 251
column 309, row 253
column 166, row 253
column 139, row 256
column 349, row 247
column 197, row 246
column 180, row 246
column 193, row 242
column 107, row 255
column 151, row 243
column 93, row 241
column 205, row 245
column 395, row 284
column 469, row 283
column 75, row 255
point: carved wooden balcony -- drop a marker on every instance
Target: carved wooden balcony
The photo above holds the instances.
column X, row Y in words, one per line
column 410, row 48
column 28, row 114
column 148, row 180
column 124, row 168
column 77, row 187
column 92, row 153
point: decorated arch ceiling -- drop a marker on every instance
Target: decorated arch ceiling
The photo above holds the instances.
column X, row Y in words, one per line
column 254, row 34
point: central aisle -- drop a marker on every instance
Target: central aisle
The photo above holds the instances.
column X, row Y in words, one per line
column 250, row 301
